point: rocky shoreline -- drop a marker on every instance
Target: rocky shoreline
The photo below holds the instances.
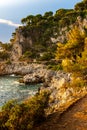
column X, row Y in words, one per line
column 54, row 82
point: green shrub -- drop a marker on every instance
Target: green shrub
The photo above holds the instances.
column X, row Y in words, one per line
column 25, row 115
column 4, row 114
column 46, row 56
column 55, row 67
column 4, row 55
column 8, row 61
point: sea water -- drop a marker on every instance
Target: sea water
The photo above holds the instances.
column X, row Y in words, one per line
column 10, row 89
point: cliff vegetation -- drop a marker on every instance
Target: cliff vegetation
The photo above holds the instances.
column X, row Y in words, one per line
column 60, row 36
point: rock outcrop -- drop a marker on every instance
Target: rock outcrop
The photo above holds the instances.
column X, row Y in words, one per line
column 21, row 68
column 55, row 82
column 61, row 96
column 24, row 43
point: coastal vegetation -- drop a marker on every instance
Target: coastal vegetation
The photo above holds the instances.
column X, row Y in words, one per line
column 74, row 57
column 73, row 53
column 69, row 55
column 25, row 115
column 5, row 50
column 40, row 33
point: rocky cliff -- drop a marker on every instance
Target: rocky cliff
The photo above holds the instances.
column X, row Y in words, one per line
column 31, row 41
column 61, row 95
column 55, row 82
column 37, row 36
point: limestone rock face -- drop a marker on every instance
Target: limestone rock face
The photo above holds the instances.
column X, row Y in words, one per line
column 22, row 68
column 2, row 68
column 53, row 81
column 20, row 45
column 16, row 51
column 62, row 36
column 23, row 42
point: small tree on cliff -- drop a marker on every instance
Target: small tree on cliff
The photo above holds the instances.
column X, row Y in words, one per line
column 74, row 47
column 73, row 50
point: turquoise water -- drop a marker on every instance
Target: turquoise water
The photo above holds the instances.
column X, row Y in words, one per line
column 11, row 89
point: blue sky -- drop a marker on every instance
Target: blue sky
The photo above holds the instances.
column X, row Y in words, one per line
column 12, row 11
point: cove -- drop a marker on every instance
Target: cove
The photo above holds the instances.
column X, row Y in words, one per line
column 11, row 89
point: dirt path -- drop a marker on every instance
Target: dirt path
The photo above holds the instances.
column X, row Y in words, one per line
column 75, row 118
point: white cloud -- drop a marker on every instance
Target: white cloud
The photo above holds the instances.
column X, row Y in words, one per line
column 11, row 2
column 6, row 2
column 8, row 22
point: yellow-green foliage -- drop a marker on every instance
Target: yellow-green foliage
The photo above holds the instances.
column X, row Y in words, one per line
column 74, row 45
column 81, row 5
column 77, row 82
column 67, row 64
column 23, row 116
column 4, row 55
column 74, row 52
column 8, row 61
column 7, row 46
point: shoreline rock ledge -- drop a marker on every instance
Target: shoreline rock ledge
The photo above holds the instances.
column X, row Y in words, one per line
column 61, row 97
column 21, row 68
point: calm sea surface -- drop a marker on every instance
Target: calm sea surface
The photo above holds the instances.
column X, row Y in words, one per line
column 11, row 89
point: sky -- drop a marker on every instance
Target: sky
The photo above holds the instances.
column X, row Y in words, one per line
column 12, row 11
